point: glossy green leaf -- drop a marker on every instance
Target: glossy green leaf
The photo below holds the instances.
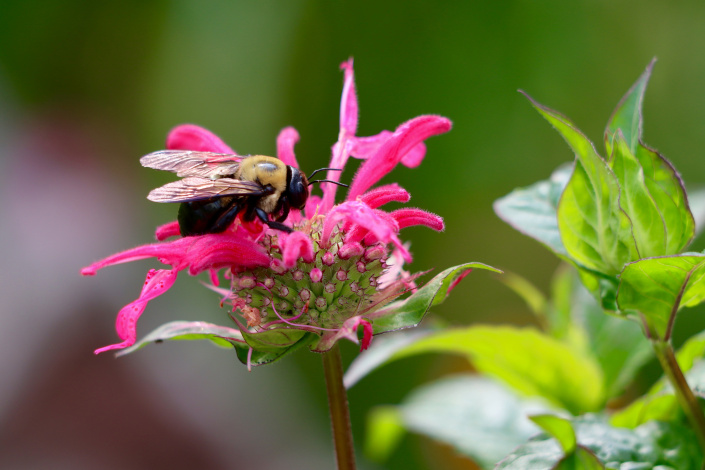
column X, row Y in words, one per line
column 272, row 346
column 648, row 224
column 581, row 459
column 560, row 428
column 658, row 287
column 532, row 210
column 183, row 330
column 668, row 193
column 594, row 229
column 530, row 362
column 479, row 417
column 654, row 445
column 627, row 116
column 410, row 311
column 385, row 428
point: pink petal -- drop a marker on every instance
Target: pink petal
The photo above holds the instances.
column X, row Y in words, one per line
column 192, row 137
column 222, row 250
column 366, row 147
column 384, row 194
column 411, row 216
column 383, row 227
column 213, row 250
column 165, row 231
column 348, row 128
column 367, row 333
column 348, row 102
column 457, row 280
column 296, row 245
column 405, row 138
column 156, row 283
column 348, row 331
column 286, row 140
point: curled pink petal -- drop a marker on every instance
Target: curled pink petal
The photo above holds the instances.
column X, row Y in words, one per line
column 385, row 194
column 348, row 330
column 297, row 245
column 286, row 140
column 411, row 216
column 192, row 137
column 168, row 230
column 156, row 283
column 415, row 156
column 348, row 101
column 457, row 280
column 367, row 333
column 405, row 137
column 365, row 147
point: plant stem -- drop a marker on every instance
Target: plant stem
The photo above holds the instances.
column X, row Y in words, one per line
column 339, row 413
column 686, row 398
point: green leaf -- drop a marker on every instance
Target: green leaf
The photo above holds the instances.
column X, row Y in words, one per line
column 183, row 330
column 668, row 192
column 558, row 427
column 648, row 224
column 627, row 116
column 532, row 210
column 533, row 297
column 385, row 428
column 479, row 417
column 530, row 362
column 654, row 445
column 271, row 345
column 581, row 459
column 658, row 287
column 410, row 311
column 594, row 229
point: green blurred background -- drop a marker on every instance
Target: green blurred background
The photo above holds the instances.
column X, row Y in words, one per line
column 88, row 87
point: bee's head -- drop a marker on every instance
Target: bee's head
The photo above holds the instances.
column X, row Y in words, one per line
column 297, row 189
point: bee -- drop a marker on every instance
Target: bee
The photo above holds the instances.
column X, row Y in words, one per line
column 216, row 187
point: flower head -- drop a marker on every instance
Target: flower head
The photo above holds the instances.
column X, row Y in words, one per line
column 333, row 274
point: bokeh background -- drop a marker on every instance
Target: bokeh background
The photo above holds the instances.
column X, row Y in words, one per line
column 88, row 87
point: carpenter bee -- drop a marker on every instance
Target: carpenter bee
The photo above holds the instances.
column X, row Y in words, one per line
column 216, row 187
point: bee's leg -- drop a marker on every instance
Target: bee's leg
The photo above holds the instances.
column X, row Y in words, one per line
column 262, row 215
column 285, row 209
column 225, row 219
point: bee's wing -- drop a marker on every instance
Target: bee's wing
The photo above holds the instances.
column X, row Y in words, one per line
column 195, row 188
column 192, row 163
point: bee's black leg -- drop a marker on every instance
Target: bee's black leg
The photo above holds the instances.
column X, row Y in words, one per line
column 225, row 219
column 285, row 209
column 262, row 215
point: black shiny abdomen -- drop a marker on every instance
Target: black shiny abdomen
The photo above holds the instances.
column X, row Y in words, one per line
column 205, row 215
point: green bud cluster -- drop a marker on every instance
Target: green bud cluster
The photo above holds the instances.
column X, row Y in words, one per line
column 338, row 283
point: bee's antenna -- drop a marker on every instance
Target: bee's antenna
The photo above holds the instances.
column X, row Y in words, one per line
column 328, row 181
column 321, row 169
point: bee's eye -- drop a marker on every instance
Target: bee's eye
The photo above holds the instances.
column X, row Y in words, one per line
column 297, row 189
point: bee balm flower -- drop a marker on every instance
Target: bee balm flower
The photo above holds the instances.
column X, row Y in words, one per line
column 337, row 271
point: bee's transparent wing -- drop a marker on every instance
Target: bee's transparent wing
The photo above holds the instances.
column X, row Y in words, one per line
column 192, row 163
column 194, row 188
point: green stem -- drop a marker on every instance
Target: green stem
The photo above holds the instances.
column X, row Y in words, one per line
column 686, row 398
column 339, row 413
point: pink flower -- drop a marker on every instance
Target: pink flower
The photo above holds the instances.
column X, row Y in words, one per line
column 325, row 277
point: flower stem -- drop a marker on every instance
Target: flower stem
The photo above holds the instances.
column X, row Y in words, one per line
column 339, row 413
column 686, row 398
